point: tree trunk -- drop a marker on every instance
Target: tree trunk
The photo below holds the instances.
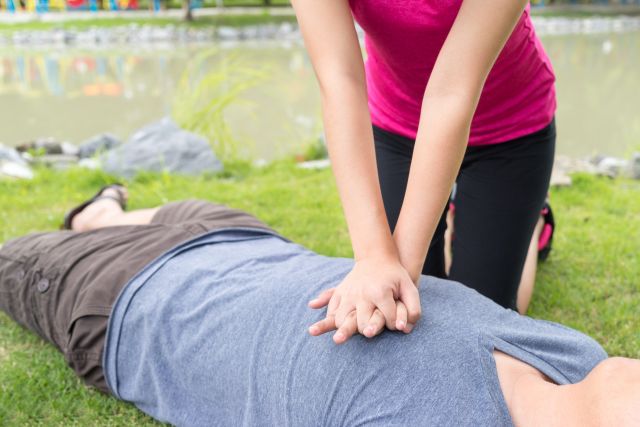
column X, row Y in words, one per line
column 186, row 8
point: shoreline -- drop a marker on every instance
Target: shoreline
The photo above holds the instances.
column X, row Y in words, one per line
column 24, row 161
column 247, row 15
column 119, row 30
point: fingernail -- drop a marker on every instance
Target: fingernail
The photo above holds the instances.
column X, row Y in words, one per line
column 368, row 331
column 400, row 325
column 313, row 301
column 339, row 336
column 313, row 330
column 409, row 327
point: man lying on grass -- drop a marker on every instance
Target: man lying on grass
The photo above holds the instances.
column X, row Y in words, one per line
column 195, row 313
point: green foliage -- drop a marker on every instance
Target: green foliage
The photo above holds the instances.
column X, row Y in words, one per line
column 316, row 150
column 590, row 281
column 210, row 83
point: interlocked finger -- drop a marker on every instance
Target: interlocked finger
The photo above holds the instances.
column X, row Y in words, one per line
column 401, row 317
column 323, row 299
column 347, row 329
column 327, row 324
column 375, row 325
column 364, row 312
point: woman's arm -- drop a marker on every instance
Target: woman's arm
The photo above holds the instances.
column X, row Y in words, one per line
column 332, row 43
column 378, row 278
column 479, row 32
column 474, row 42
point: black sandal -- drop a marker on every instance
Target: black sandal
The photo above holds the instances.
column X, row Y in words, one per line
column 121, row 199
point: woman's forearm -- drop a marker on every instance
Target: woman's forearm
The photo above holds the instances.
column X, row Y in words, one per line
column 478, row 34
column 440, row 146
column 350, row 143
column 332, row 42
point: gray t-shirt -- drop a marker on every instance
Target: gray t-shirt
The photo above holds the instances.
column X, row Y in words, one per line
column 215, row 333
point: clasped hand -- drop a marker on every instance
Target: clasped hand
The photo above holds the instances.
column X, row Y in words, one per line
column 376, row 293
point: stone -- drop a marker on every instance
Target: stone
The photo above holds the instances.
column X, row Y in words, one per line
column 46, row 146
column 563, row 166
column 635, row 166
column 228, row 33
column 10, row 154
column 15, row 170
column 161, row 147
column 97, row 145
column 69, row 149
column 315, row 164
column 611, row 166
column 559, row 178
column 57, row 161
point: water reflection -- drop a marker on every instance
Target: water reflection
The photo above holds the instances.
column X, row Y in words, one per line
column 71, row 93
column 598, row 92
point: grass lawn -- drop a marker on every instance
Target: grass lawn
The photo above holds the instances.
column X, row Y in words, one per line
column 591, row 280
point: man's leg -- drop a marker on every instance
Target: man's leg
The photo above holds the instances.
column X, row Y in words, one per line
column 107, row 212
column 197, row 215
column 62, row 285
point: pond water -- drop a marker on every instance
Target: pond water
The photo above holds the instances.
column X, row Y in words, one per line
column 72, row 93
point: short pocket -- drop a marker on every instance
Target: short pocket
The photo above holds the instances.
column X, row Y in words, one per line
column 85, row 347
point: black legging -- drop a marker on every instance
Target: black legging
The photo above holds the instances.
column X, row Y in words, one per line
column 501, row 189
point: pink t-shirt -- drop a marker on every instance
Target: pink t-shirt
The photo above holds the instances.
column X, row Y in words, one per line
column 403, row 39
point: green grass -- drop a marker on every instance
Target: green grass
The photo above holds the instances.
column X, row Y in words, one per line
column 591, row 280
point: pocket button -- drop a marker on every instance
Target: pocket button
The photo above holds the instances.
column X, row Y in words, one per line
column 43, row 285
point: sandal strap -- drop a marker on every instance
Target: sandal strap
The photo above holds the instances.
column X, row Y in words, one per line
column 120, row 199
column 117, row 199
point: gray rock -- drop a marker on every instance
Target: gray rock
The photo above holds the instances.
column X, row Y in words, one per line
column 15, row 170
column 228, row 33
column 9, row 154
column 611, row 166
column 49, row 146
column 563, row 166
column 315, row 164
column 635, row 166
column 69, row 149
column 57, row 161
column 97, row 145
column 560, row 178
column 161, row 146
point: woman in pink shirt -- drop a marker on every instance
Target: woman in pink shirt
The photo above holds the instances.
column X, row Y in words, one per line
column 455, row 91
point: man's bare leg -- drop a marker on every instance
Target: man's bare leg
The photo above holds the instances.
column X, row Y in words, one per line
column 107, row 213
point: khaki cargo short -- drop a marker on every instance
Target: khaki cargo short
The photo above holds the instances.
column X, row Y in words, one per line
column 62, row 285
